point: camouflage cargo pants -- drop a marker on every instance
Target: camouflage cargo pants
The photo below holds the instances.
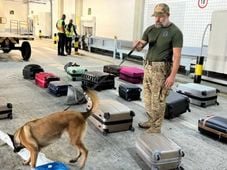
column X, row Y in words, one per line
column 155, row 92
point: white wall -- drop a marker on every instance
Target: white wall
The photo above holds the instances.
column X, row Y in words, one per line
column 187, row 15
column 69, row 10
column 40, row 14
column 113, row 17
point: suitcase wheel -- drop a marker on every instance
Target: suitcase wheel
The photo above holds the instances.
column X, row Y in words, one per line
column 180, row 168
column 132, row 114
column 106, row 115
column 105, row 132
column 9, row 105
column 129, row 99
column 181, row 153
column 132, row 128
column 10, row 116
column 203, row 105
column 58, row 94
column 157, row 156
column 217, row 103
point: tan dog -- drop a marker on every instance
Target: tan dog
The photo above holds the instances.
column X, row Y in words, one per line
column 39, row 133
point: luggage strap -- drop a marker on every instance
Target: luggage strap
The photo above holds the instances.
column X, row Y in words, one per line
column 205, row 120
column 220, row 134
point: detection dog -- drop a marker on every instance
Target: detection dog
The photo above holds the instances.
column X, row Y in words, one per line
column 39, row 133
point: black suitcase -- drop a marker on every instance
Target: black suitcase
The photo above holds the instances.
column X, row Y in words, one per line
column 6, row 111
column 58, row 88
column 98, row 80
column 215, row 126
column 176, row 104
column 113, row 69
column 30, row 70
column 129, row 92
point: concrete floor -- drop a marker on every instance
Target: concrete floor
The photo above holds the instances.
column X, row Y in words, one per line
column 116, row 150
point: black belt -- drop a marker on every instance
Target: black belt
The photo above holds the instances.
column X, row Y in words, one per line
column 150, row 62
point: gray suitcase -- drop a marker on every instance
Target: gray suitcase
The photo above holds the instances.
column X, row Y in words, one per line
column 200, row 95
column 75, row 95
column 159, row 152
column 112, row 117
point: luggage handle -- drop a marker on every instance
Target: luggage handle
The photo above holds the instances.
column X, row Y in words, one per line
column 185, row 93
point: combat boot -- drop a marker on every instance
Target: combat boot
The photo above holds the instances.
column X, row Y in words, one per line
column 145, row 125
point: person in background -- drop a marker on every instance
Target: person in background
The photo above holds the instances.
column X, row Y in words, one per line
column 61, row 35
column 70, row 30
column 165, row 42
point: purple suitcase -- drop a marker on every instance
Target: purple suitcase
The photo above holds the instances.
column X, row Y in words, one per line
column 131, row 74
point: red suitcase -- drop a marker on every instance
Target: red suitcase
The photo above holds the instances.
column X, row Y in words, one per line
column 42, row 79
column 131, row 74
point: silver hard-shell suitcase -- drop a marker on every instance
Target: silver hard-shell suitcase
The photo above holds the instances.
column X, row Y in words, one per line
column 159, row 152
column 200, row 95
column 75, row 95
column 112, row 116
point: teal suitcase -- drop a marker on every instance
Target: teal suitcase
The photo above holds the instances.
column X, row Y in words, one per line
column 75, row 72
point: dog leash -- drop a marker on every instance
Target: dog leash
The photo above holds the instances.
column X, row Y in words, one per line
column 66, row 108
column 128, row 55
column 134, row 48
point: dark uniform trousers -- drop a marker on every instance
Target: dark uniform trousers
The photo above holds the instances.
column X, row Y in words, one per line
column 61, row 43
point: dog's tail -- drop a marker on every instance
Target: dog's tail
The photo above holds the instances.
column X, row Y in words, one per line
column 93, row 103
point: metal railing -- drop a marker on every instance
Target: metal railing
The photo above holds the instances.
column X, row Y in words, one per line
column 21, row 27
column 14, row 26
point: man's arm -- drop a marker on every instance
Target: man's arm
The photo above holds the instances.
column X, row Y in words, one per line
column 74, row 29
column 176, row 63
column 63, row 26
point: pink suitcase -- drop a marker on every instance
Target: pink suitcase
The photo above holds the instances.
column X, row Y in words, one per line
column 42, row 79
column 131, row 74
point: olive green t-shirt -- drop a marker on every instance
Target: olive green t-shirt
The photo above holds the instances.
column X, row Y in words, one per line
column 162, row 41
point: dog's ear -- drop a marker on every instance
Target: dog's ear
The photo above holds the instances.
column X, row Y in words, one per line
column 11, row 137
column 16, row 147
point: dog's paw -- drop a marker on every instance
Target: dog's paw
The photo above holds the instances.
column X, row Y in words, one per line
column 26, row 162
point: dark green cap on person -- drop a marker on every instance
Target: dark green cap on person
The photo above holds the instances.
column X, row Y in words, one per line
column 160, row 10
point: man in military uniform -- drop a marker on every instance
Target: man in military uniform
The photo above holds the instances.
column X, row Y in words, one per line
column 165, row 42
column 70, row 30
column 61, row 35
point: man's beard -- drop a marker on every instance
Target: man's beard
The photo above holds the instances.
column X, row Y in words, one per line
column 158, row 25
column 165, row 23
